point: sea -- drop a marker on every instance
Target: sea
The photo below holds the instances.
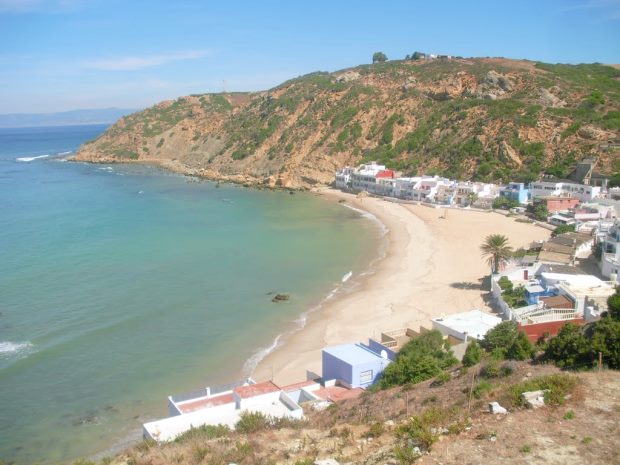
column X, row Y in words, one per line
column 123, row 284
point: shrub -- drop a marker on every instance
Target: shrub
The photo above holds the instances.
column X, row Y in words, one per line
column 506, row 340
column 559, row 385
column 491, row 369
column 604, row 336
column 204, row 432
column 251, row 422
column 570, row 348
column 379, row 57
column 515, row 297
column 420, row 359
column 521, row 348
column 375, row 431
column 613, row 304
column 418, row 433
column 505, row 283
column 481, row 388
column 505, row 203
column 441, row 378
column 569, row 415
column 563, row 229
column 473, row 353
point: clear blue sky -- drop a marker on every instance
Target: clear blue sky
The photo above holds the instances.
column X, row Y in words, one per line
column 59, row 55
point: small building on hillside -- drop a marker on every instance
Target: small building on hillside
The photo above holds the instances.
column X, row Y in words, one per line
column 385, row 182
column 610, row 259
column 343, row 177
column 557, row 204
column 551, row 187
column 354, row 365
column 462, row 326
column 565, row 248
column 225, row 405
column 516, row 191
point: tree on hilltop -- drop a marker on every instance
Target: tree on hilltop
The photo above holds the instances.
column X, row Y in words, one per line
column 379, row 57
column 497, row 251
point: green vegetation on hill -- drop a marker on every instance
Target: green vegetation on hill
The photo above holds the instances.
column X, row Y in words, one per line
column 484, row 119
column 422, row 358
column 579, row 347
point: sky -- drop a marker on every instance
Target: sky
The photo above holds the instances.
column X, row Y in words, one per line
column 58, row 55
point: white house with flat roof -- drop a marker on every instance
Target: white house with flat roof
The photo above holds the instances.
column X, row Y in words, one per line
column 223, row 406
column 473, row 324
column 563, row 188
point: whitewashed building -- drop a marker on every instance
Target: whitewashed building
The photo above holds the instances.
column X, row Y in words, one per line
column 343, row 178
column 224, row 406
column 373, row 178
column 610, row 258
column 562, row 188
column 467, row 325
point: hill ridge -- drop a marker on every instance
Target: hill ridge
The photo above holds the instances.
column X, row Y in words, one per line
column 481, row 118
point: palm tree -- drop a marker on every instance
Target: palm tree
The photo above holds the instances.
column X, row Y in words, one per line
column 497, row 251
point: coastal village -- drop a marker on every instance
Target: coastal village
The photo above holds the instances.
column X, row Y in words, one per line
column 566, row 279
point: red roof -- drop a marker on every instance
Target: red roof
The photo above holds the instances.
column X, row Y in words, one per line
column 537, row 330
column 296, row 386
column 206, row 403
column 386, row 174
column 258, row 389
column 336, row 393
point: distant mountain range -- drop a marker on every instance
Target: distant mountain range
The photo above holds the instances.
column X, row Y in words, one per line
column 65, row 118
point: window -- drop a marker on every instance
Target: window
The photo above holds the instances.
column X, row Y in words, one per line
column 366, row 377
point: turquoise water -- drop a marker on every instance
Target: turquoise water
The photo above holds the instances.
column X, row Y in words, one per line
column 122, row 284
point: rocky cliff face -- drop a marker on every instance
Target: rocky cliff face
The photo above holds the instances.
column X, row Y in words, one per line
column 487, row 119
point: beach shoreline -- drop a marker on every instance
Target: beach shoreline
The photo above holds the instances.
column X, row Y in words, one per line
column 431, row 268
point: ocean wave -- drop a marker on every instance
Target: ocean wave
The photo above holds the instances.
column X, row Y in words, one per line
column 29, row 159
column 10, row 349
column 106, row 168
column 259, row 355
column 65, row 153
column 347, row 276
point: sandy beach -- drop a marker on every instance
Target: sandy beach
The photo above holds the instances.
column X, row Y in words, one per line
column 432, row 267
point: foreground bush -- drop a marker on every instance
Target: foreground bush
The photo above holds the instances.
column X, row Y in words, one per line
column 559, row 386
column 251, row 422
column 420, row 359
column 204, row 432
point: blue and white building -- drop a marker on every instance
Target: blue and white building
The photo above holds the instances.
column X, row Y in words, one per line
column 354, row 365
column 517, row 191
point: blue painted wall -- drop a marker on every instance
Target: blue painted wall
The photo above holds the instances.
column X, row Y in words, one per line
column 335, row 368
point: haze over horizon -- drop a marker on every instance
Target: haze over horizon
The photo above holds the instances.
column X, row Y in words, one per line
column 59, row 55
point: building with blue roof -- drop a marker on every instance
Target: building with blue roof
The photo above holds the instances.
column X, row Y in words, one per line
column 354, row 365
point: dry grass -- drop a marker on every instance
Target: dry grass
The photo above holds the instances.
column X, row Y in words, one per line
column 448, row 424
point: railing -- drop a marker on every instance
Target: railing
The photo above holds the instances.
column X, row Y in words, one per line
column 230, row 386
column 546, row 315
column 610, row 257
column 189, row 395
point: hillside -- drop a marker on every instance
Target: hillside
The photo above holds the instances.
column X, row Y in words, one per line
column 427, row 423
column 485, row 119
